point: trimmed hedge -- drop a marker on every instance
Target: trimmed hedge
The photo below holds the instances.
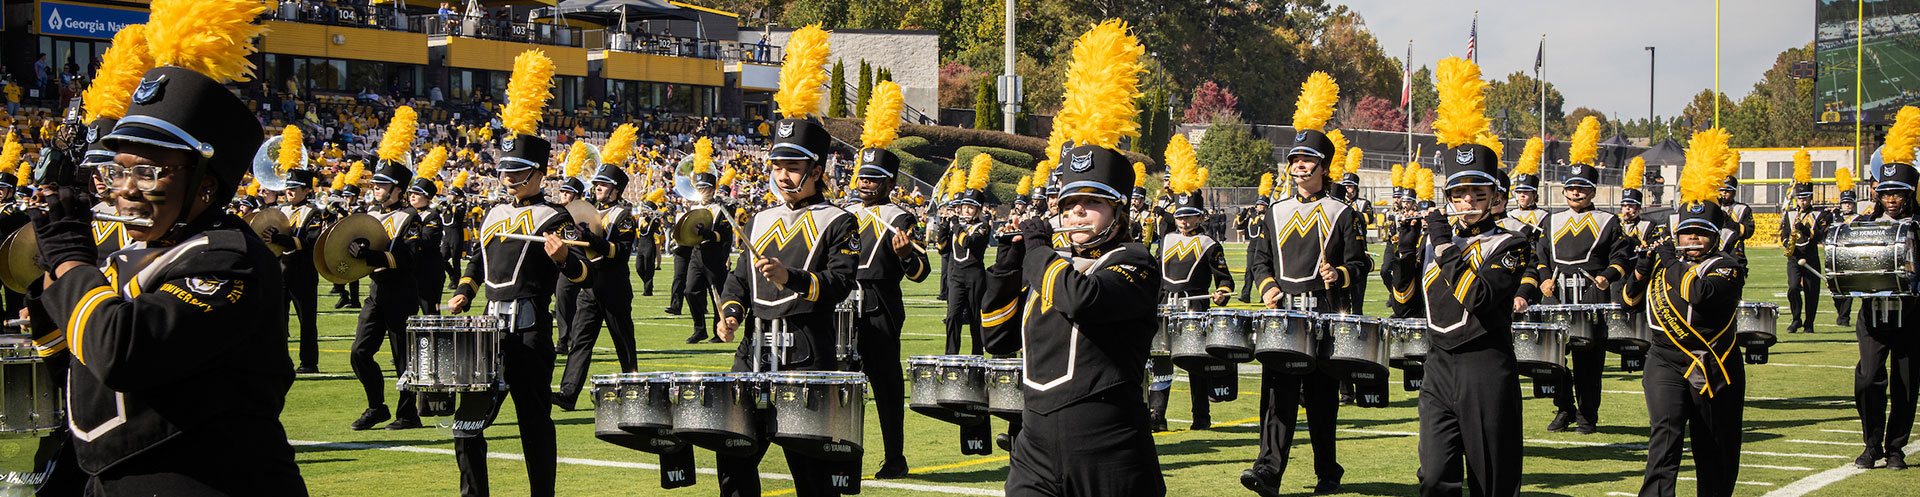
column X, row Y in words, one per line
column 944, row 141
column 964, row 155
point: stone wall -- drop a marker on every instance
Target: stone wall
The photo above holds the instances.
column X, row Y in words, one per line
column 912, row 56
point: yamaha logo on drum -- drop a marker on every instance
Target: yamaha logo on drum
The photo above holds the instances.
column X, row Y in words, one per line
column 1463, row 156
column 1082, row 162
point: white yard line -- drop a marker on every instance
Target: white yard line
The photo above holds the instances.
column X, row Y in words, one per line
column 1820, row 480
column 945, row 489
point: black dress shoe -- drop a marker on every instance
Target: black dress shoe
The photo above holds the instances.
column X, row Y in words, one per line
column 1327, row 486
column 1156, row 422
column 1844, row 322
column 1004, row 441
column 563, row 402
column 1201, row 423
column 1259, row 483
column 1868, row 458
column 1560, row 421
column 337, row 304
column 671, row 311
column 716, row 340
column 372, row 416
column 404, row 423
column 1896, row 461
column 696, row 338
column 894, row 468
column 306, row 370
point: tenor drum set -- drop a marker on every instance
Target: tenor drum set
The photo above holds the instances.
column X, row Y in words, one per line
column 1872, row 260
column 31, row 407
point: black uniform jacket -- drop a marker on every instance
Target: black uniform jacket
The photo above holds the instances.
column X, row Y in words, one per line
column 1301, row 233
column 1693, row 305
column 818, row 244
column 394, row 265
column 609, row 252
column 1641, row 232
column 1084, row 320
column 1469, row 283
column 515, row 269
column 1586, row 244
column 1193, row 265
column 307, row 222
column 964, row 243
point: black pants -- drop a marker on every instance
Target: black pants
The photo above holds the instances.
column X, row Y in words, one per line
column 430, row 285
column 1470, row 416
column 566, row 301
column 682, row 257
column 526, row 363
column 1281, row 397
column 1578, row 388
column 303, row 294
column 1803, row 290
column 879, row 346
column 246, row 461
column 645, row 263
column 1096, row 447
column 963, row 310
column 1161, row 385
column 382, row 320
column 1843, row 309
column 740, row 475
column 1677, row 409
column 704, row 280
column 1887, row 371
column 617, row 313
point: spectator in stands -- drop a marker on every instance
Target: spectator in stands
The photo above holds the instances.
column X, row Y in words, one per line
column 13, row 96
column 41, row 71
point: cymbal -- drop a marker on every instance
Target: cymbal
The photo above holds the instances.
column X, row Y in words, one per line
column 686, row 231
column 270, row 217
column 330, row 252
column 17, row 254
column 584, row 213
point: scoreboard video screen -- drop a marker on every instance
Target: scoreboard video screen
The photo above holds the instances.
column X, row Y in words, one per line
column 1868, row 59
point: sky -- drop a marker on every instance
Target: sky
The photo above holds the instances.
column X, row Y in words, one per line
column 1595, row 51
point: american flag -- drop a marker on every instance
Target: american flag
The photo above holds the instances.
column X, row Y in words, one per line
column 1473, row 37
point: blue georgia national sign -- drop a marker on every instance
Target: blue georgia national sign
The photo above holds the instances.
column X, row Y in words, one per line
column 86, row 21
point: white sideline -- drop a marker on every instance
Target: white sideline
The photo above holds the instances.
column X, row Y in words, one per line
column 1820, row 480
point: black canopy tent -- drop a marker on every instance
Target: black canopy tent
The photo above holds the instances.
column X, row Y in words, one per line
column 608, row 12
column 1665, row 153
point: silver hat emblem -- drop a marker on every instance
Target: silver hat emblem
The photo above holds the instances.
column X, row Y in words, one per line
column 506, row 144
column 786, row 129
column 1300, row 136
column 1464, row 155
column 1887, row 170
column 1082, row 162
column 869, row 155
column 149, row 90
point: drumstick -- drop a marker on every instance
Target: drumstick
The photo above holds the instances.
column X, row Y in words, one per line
column 538, row 239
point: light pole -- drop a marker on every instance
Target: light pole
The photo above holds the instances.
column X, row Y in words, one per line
column 1650, row 58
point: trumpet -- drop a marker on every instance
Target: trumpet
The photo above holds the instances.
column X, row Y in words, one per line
column 128, row 220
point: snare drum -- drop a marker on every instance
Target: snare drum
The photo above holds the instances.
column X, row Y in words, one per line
column 1869, row 258
column 1285, row 339
column 1540, row 349
column 718, row 411
column 31, row 404
column 635, row 410
column 1187, row 336
column 961, row 382
column 923, row 388
column 452, row 353
column 1409, row 344
column 1756, row 323
column 1627, row 331
column 820, row 414
column 1359, row 348
column 1004, row 398
column 1160, row 346
column 1579, row 320
column 1229, row 335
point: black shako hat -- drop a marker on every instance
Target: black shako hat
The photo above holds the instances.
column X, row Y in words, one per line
column 573, row 185
column 612, row 175
column 1473, row 165
column 1582, row 176
column 1189, row 204
column 1632, row 196
column 180, row 109
column 799, row 139
column 300, row 177
column 1703, row 218
column 520, row 152
column 1897, row 177
column 1311, row 142
column 1526, row 182
column 424, row 186
column 1097, row 172
column 392, row 173
column 878, row 163
column 97, row 152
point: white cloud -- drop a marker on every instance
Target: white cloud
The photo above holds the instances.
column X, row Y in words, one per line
column 1595, row 50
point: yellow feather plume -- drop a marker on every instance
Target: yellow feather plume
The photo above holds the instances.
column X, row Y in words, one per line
column 1423, row 184
column 802, row 73
column 1318, row 96
column 1636, row 174
column 1586, row 142
column 398, row 139
column 1339, row 158
column 1462, row 114
column 619, row 147
column 657, row 195
column 1802, row 166
column 339, row 181
column 703, row 155
column 460, row 181
column 726, row 178
column 211, row 37
column 1266, row 184
column 1395, row 177
column 1022, row 188
column 956, row 181
column 253, row 188
column 121, row 68
column 1102, row 84
column 1706, row 167
column 291, row 143
column 430, row 165
column 1492, row 142
column 1139, row 175
column 982, row 166
column 10, row 153
column 1354, row 157
column 883, row 116
column 1530, row 157
column 1181, row 164
column 1843, row 178
column 527, row 92
column 1200, row 179
column 1902, row 137
column 577, row 158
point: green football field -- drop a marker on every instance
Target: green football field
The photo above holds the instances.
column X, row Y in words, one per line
column 1892, row 69
column 1800, row 427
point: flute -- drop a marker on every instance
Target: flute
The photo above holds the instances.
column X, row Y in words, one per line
column 129, row 220
column 538, row 239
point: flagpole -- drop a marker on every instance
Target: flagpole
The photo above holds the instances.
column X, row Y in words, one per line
column 1409, row 89
column 1540, row 73
column 1716, row 63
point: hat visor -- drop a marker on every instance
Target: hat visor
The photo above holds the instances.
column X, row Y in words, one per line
column 1698, row 226
column 515, row 164
column 1525, row 188
column 789, row 151
column 1577, row 183
column 1309, row 151
column 151, row 131
column 1188, row 211
column 605, row 179
column 1628, row 201
column 419, row 190
column 1091, row 189
column 1471, row 178
column 95, row 158
column 1892, row 186
column 382, row 179
column 874, row 172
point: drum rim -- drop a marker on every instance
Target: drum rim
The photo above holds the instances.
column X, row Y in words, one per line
column 1561, row 327
column 1350, row 318
column 807, row 377
column 1759, row 305
column 1284, row 313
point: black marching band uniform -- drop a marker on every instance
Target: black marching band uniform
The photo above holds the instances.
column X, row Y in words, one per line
column 646, row 245
column 1083, row 316
column 1739, row 225
column 1469, row 397
column 1303, row 231
column 1888, row 370
column 1578, row 249
column 706, row 270
column 296, row 266
column 1192, row 264
column 566, row 296
column 1692, row 384
column 393, row 297
column 1641, row 232
column 430, row 272
column 1801, row 231
column 882, row 311
column 178, row 344
column 963, row 242
column 819, row 245
column 609, row 297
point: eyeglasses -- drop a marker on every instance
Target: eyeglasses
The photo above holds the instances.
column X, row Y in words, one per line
column 145, row 176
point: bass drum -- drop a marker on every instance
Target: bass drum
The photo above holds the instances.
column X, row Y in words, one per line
column 1871, row 258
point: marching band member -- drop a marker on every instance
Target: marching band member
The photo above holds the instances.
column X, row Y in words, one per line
column 1526, row 191
column 1192, row 264
column 1801, row 230
column 1082, row 302
column 1401, row 265
column 567, row 293
column 1251, row 226
column 1887, row 370
column 430, row 273
column 606, row 300
column 153, row 408
column 1846, row 212
column 1314, row 248
column 1641, row 233
column 1354, row 301
column 646, row 244
column 518, row 278
column 1692, row 293
column 963, row 238
column 707, row 268
column 887, row 254
column 801, row 261
column 302, row 280
column 1739, row 226
column 394, row 295
column 1584, row 256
